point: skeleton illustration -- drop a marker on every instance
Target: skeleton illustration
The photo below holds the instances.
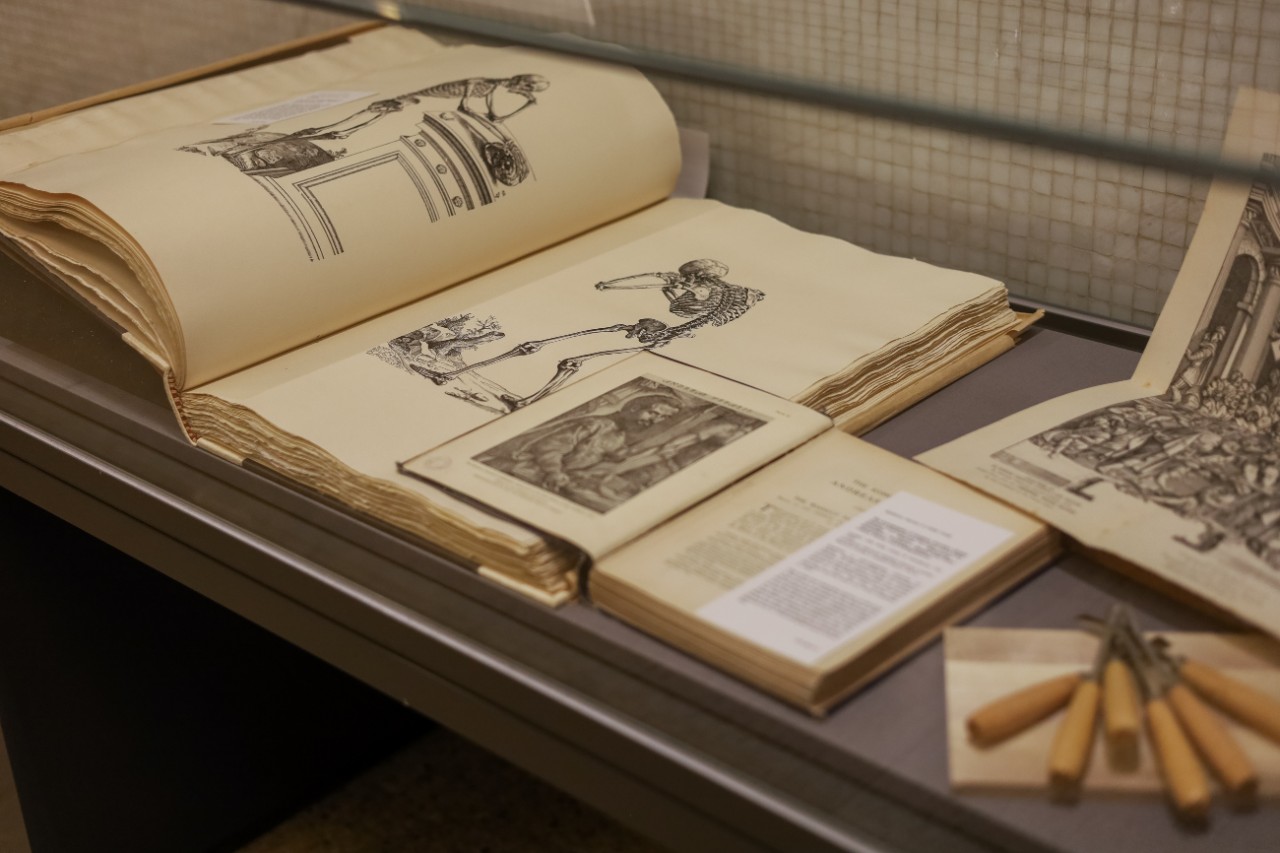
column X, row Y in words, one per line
column 696, row 291
column 521, row 85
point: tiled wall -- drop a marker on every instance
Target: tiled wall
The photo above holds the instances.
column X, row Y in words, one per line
column 1095, row 236
column 1092, row 235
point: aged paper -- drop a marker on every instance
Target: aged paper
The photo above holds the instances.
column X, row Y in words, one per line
column 291, row 276
column 855, row 577
column 612, row 456
column 798, row 308
column 723, row 545
column 260, row 239
column 1177, row 470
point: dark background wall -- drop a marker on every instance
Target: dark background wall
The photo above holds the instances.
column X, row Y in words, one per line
column 159, row 720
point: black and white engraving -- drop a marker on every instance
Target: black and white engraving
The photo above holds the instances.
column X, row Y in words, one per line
column 455, row 159
column 442, row 346
column 615, row 446
column 1208, row 449
column 697, row 291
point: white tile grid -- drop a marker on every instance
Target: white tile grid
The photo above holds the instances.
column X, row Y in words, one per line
column 1068, row 230
column 1072, row 231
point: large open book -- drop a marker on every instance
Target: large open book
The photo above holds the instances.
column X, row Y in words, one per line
column 341, row 259
column 1175, row 471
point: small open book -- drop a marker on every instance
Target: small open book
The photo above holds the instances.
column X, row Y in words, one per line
column 742, row 527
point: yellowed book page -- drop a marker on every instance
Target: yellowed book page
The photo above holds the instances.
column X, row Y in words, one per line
column 1175, row 471
column 1003, row 461
column 269, row 230
column 1195, row 502
column 796, row 309
column 339, row 394
column 706, row 554
column 610, row 457
column 1221, row 313
column 364, row 397
column 859, row 422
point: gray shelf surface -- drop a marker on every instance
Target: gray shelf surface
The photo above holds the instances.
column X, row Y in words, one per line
column 670, row 746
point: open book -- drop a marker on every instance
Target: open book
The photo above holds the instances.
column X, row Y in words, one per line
column 1175, row 471
column 742, row 527
column 340, row 259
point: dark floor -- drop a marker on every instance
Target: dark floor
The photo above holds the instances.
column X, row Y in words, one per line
column 140, row 716
column 440, row 795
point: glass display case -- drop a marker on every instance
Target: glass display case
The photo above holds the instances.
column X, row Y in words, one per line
column 1063, row 148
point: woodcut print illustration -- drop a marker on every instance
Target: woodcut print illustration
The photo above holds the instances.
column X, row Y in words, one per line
column 697, row 291
column 442, row 346
column 619, row 444
column 453, row 160
column 1208, row 448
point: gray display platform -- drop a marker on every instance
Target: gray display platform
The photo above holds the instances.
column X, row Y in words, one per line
column 663, row 743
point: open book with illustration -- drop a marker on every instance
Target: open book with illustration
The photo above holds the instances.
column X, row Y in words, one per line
column 742, row 527
column 341, row 259
column 1175, row 471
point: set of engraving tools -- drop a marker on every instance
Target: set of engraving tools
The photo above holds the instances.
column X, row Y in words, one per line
column 1135, row 676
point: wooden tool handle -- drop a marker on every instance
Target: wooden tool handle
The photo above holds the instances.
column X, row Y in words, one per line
column 1183, row 776
column 1072, row 743
column 1219, row 749
column 1254, row 709
column 1008, row 715
column 1121, row 710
